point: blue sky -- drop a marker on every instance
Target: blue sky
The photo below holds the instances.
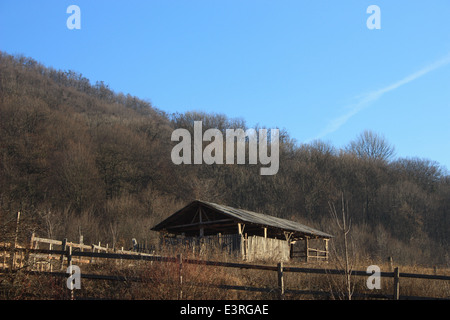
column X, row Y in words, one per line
column 310, row 67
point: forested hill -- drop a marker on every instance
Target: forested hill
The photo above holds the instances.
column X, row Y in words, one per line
column 78, row 158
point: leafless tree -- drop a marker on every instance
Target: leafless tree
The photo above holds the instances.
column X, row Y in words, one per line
column 343, row 222
column 370, row 145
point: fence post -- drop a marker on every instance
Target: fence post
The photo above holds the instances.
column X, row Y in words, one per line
column 180, row 276
column 69, row 256
column 63, row 248
column 396, row 284
column 14, row 255
column 50, row 247
column 32, row 240
column 33, row 235
column 69, row 263
column 4, row 257
column 93, row 250
column 17, row 229
column 280, row 280
column 306, row 249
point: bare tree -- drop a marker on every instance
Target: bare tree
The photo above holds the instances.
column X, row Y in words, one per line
column 370, row 145
column 343, row 222
column 52, row 221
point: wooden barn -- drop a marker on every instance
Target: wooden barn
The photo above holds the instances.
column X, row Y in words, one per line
column 250, row 236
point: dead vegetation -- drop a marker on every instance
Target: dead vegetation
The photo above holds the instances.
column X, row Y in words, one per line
column 160, row 280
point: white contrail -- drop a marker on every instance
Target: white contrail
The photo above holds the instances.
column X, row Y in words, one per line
column 366, row 99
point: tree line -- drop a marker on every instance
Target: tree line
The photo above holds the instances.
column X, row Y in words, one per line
column 78, row 158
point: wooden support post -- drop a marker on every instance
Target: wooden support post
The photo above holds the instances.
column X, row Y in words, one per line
column 219, row 240
column 306, row 249
column 326, row 249
column 396, row 284
column 291, row 250
column 280, row 280
column 246, row 246
column 243, row 241
column 200, row 220
column 180, row 276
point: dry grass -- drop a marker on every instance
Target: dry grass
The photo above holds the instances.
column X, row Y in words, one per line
column 161, row 281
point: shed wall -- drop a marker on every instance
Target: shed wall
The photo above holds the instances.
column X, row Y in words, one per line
column 260, row 248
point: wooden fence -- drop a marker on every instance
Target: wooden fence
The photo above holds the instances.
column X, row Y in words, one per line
column 280, row 270
column 46, row 261
column 10, row 258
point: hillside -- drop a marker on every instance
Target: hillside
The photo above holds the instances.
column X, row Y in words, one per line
column 79, row 157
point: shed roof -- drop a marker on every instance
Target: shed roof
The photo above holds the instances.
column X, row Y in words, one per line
column 221, row 218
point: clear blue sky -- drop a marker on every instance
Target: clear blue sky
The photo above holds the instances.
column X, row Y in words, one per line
column 311, row 67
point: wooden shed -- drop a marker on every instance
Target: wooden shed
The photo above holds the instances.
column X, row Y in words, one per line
column 249, row 235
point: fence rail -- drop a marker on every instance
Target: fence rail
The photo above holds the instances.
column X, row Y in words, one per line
column 280, row 269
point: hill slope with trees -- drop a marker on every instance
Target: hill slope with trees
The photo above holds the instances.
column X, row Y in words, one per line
column 77, row 157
